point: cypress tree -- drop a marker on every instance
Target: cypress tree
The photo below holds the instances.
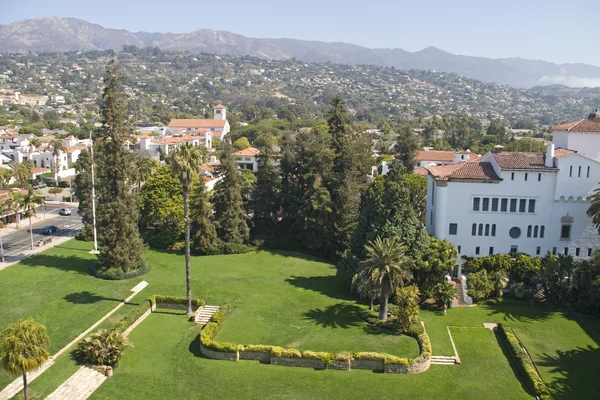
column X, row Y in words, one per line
column 121, row 247
column 204, row 237
column 266, row 196
column 229, row 212
column 83, row 192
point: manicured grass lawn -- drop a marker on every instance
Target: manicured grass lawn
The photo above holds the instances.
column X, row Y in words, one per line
column 289, row 300
column 165, row 363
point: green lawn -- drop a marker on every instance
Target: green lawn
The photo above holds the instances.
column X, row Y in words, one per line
column 289, row 300
column 165, row 363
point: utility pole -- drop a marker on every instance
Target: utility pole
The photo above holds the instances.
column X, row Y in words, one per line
column 95, row 251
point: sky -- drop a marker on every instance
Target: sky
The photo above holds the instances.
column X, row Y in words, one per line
column 551, row 30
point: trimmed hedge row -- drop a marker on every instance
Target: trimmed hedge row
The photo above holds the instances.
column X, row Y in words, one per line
column 210, row 330
column 535, row 380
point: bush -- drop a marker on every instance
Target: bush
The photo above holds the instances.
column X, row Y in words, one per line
column 537, row 384
column 343, row 356
column 414, row 330
column 133, row 316
column 327, row 358
column 116, row 274
column 386, row 358
column 258, row 348
column 101, row 348
column 232, row 248
column 277, row 351
column 424, row 345
column 174, row 300
column 479, row 285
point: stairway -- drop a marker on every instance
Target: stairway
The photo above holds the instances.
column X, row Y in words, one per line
column 460, row 295
column 204, row 314
column 443, row 360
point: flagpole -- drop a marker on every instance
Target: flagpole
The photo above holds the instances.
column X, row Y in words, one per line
column 95, row 251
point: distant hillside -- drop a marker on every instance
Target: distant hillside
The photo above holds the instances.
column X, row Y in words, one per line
column 56, row 34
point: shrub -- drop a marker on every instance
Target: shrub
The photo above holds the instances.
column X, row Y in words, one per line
column 258, row 348
column 327, row 358
column 537, row 384
column 116, row 274
column 133, row 316
column 343, row 356
column 386, row 358
column 480, row 285
column 175, row 300
column 424, row 345
column 414, row 330
column 277, row 351
column 233, row 248
column 101, row 348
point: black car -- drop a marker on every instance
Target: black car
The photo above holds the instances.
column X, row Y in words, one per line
column 49, row 229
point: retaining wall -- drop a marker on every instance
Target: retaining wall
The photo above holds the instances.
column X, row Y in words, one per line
column 217, row 355
column 373, row 365
column 419, row 364
column 255, row 355
column 298, row 362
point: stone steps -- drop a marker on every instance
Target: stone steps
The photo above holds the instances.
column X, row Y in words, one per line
column 204, row 314
column 443, row 360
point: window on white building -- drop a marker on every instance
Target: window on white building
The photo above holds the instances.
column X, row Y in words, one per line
column 514, row 249
column 565, row 232
column 452, row 229
column 513, row 205
column 522, row 205
column 512, row 176
column 588, row 172
column 476, row 203
column 477, row 250
column 525, row 176
column 486, row 204
column 491, row 252
column 480, row 229
column 503, row 205
column 474, row 230
column 487, row 229
column 579, row 172
column 494, row 204
column 493, row 229
column 539, row 177
column 566, row 251
column 577, row 252
column 589, row 252
column 531, row 208
column 535, row 231
column 542, row 230
column 458, row 249
column 554, row 251
column 570, row 171
column 529, row 230
column 538, row 251
column 515, row 232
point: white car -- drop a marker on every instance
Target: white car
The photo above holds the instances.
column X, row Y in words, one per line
column 65, row 211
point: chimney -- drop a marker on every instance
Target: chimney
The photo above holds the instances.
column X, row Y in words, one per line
column 549, row 156
column 498, row 149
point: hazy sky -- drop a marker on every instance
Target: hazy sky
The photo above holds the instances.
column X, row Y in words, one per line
column 552, row 30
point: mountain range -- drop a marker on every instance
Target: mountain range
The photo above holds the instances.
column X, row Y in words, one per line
column 58, row 34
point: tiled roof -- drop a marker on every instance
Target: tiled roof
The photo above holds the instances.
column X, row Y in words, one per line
column 219, row 106
column 197, row 123
column 434, row 155
column 521, row 160
column 581, row 126
column 468, row 170
column 421, row 171
column 249, row 152
column 558, row 153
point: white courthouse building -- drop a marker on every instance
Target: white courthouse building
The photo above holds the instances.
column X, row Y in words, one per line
column 531, row 203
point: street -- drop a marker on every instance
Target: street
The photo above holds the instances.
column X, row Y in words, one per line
column 18, row 241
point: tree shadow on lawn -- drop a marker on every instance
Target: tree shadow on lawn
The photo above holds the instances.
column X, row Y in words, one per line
column 577, row 370
column 86, row 297
column 517, row 310
column 342, row 315
column 331, row 286
column 67, row 264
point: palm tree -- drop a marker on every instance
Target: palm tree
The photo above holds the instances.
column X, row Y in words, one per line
column 499, row 280
column 444, row 292
column 56, row 146
column 13, row 204
column 29, row 201
column 23, row 348
column 388, row 267
column 145, row 167
column 3, row 209
column 186, row 161
column 21, row 172
column 594, row 210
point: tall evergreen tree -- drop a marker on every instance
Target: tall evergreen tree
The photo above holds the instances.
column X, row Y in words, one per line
column 229, row 211
column 121, row 247
column 408, row 146
column 266, row 196
column 83, row 192
column 204, row 239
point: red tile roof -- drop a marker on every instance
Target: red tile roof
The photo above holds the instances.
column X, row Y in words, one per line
column 219, row 106
column 558, row 153
column 421, row 171
column 521, row 160
column 249, row 152
column 468, row 170
column 439, row 155
column 581, row 126
column 197, row 123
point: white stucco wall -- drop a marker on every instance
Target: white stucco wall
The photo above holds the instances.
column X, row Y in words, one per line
column 584, row 143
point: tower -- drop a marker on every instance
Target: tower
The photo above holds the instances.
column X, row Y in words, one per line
column 220, row 112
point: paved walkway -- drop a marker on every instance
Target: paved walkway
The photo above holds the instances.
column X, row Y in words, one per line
column 79, row 386
column 17, row 385
column 56, row 240
column 205, row 313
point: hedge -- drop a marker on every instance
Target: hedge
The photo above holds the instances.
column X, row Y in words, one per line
column 386, row 358
column 517, row 350
column 116, row 274
column 210, row 330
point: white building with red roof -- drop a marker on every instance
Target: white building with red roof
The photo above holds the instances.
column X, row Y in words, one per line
column 247, row 158
column 218, row 126
column 533, row 203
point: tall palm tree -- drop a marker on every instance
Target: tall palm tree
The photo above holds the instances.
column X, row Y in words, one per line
column 29, row 201
column 186, row 162
column 23, row 348
column 56, row 146
column 13, row 204
column 388, row 267
column 499, row 280
column 3, row 209
column 21, row 172
column 145, row 167
column 594, row 210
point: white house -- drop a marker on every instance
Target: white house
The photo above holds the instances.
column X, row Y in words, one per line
column 218, row 126
column 247, row 158
column 428, row 158
column 532, row 203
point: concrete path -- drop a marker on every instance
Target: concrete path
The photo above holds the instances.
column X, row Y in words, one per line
column 17, row 385
column 79, row 386
column 205, row 313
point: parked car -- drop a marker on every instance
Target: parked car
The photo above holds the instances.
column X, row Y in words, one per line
column 39, row 185
column 49, row 229
column 65, row 211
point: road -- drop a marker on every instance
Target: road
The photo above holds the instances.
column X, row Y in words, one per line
column 16, row 242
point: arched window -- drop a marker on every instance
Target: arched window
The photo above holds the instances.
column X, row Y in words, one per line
column 474, row 230
column 529, row 231
column 493, row 229
column 487, row 229
column 480, row 229
column 535, row 231
column 542, row 229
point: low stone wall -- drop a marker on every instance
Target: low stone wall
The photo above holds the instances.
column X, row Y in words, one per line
column 298, row 362
column 341, row 365
column 217, row 355
column 373, row 365
column 255, row 355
